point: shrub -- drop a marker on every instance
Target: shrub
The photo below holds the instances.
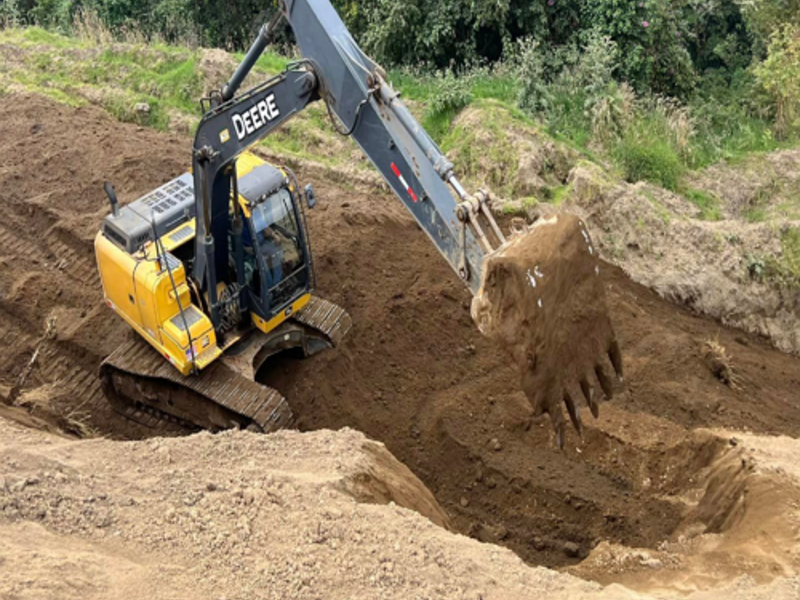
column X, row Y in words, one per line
column 650, row 38
column 779, row 74
column 644, row 157
column 765, row 17
column 450, row 93
column 529, row 65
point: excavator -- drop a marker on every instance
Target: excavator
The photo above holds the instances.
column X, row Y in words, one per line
column 214, row 271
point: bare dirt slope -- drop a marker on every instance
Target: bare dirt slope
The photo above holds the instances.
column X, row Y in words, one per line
column 414, row 373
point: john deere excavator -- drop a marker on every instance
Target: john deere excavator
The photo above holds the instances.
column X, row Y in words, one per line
column 214, row 269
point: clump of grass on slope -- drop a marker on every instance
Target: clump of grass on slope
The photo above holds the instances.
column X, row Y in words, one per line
column 785, row 269
column 653, row 160
column 443, row 95
column 706, row 202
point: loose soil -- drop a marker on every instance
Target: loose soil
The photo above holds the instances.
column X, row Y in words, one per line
column 414, row 372
column 543, row 302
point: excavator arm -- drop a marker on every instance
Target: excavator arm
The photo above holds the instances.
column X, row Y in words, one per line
column 538, row 294
column 365, row 107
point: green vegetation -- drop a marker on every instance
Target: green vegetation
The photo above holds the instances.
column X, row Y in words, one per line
column 644, row 159
column 116, row 76
column 783, row 269
column 779, row 74
column 707, row 203
column 483, row 143
column 790, row 256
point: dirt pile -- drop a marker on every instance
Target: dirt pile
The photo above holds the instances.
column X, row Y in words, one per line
column 243, row 516
column 543, row 302
column 167, row 518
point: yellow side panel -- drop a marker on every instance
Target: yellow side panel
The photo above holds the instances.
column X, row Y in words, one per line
column 142, row 293
column 117, row 269
column 267, row 326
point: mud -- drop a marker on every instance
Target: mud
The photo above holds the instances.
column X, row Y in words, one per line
column 543, row 302
column 414, row 373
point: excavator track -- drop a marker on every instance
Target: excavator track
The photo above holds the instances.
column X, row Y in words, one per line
column 326, row 317
column 145, row 388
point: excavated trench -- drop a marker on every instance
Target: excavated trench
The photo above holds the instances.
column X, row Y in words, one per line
column 414, row 373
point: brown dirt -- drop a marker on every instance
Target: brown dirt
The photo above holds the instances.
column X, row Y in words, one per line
column 333, row 515
column 543, row 302
column 414, row 373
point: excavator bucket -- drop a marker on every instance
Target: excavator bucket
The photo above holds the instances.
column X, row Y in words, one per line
column 542, row 299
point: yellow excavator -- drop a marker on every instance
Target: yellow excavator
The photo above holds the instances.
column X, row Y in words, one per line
column 214, row 270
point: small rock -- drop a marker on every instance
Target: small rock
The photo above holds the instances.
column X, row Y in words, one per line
column 733, row 441
column 142, row 108
column 652, row 563
column 211, row 486
column 571, row 549
column 464, row 502
column 496, row 445
column 538, row 544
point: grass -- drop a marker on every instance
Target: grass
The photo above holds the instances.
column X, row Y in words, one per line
column 785, row 269
column 36, row 36
column 269, row 63
column 756, row 214
column 707, row 203
column 645, row 159
column 484, row 147
column 118, row 76
column 559, row 194
column 428, row 90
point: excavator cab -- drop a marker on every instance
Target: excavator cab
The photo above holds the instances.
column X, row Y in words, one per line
column 276, row 262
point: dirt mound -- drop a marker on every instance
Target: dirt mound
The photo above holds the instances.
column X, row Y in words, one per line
column 495, row 147
column 414, row 373
column 169, row 518
column 742, row 273
column 761, row 187
column 542, row 300
column 245, row 516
